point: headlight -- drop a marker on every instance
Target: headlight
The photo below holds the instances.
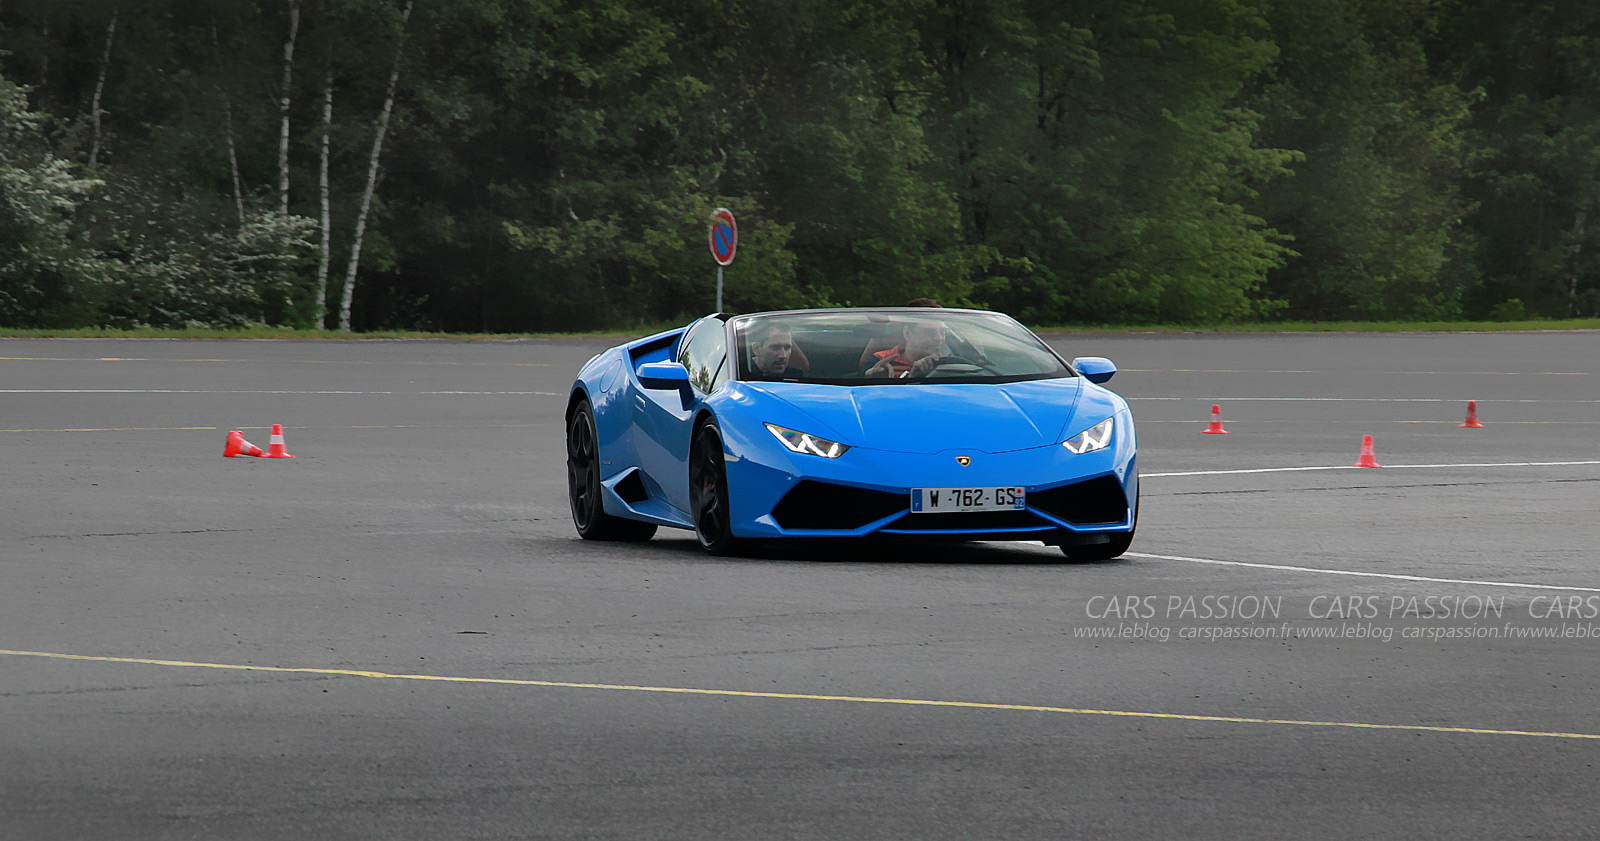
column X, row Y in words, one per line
column 1096, row 437
column 801, row 442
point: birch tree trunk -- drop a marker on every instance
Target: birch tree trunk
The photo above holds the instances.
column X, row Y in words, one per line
column 327, row 216
column 44, row 59
column 227, row 123
column 1577, row 248
column 233, row 161
column 283, row 108
column 372, row 174
column 99, row 88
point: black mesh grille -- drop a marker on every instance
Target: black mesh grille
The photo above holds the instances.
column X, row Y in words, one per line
column 820, row 505
column 967, row 521
column 1094, row 502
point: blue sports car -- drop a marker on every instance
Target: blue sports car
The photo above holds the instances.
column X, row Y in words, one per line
column 946, row 424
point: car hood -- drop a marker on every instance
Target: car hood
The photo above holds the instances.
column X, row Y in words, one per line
column 932, row 418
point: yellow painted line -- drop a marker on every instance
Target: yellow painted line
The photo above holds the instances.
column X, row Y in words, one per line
column 507, row 364
column 127, row 429
column 435, row 426
column 70, row 359
column 286, row 426
column 795, row 696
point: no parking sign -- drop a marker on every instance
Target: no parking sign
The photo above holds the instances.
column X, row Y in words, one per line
column 724, row 236
column 724, row 244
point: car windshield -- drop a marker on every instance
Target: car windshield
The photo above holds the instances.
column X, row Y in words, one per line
column 891, row 346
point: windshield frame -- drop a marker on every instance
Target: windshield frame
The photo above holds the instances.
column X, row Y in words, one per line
column 745, row 372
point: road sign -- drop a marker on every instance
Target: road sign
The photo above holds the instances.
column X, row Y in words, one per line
column 724, row 236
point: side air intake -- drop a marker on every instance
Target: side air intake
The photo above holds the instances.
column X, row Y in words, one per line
column 631, row 488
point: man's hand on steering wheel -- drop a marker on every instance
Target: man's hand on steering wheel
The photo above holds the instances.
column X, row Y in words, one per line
column 935, row 362
column 924, row 366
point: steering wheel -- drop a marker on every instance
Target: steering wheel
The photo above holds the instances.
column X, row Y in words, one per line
column 956, row 366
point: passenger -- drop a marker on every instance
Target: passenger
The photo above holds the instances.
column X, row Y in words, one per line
column 869, row 356
column 916, row 356
column 772, row 349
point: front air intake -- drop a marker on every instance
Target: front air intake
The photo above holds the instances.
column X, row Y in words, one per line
column 1098, row 501
column 826, row 506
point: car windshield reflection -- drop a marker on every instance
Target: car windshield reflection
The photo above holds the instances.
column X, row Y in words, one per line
column 900, row 346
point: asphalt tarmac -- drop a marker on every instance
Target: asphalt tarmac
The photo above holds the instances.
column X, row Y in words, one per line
column 1408, row 652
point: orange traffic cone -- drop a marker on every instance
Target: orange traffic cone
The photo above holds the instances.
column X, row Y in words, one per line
column 275, row 448
column 1216, row 422
column 1368, row 457
column 1472, row 416
column 237, row 446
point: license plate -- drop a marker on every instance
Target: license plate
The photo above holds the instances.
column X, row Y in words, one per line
column 962, row 500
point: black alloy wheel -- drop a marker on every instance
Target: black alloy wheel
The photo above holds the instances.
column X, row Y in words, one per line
column 583, row 485
column 708, row 491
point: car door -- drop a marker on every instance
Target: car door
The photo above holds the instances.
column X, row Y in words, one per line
column 667, row 418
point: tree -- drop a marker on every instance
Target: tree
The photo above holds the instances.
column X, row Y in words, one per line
column 1538, row 133
column 284, row 100
column 1108, row 160
column 372, row 171
column 1374, row 207
column 99, row 88
column 46, row 279
column 831, row 131
column 1099, row 149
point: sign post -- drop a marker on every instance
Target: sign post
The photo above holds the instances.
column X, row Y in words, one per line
column 724, row 244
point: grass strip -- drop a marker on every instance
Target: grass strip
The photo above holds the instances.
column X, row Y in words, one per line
column 281, row 333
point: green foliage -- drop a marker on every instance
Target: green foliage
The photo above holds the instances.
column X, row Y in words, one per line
column 138, row 260
column 551, row 165
column 1509, row 310
column 168, row 267
column 1537, row 130
column 46, row 279
column 1098, row 149
column 1374, row 206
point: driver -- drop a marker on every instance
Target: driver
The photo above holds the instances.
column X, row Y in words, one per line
column 916, row 356
column 772, row 350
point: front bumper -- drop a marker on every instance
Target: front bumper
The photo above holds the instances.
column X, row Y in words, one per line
column 866, row 492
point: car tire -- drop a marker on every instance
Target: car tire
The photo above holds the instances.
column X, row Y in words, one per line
column 708, row 491
column 583, row 485
column 1112, row 548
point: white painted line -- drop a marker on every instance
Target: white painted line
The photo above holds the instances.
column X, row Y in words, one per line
column 1388, row 575
column 1347, row 422
column 1352, row 467
column 1340, row 371
column 1257, row 470
column 242, row 391
column 1350, row 400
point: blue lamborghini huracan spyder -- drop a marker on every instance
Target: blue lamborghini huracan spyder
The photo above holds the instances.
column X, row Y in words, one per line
column 932, row 423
